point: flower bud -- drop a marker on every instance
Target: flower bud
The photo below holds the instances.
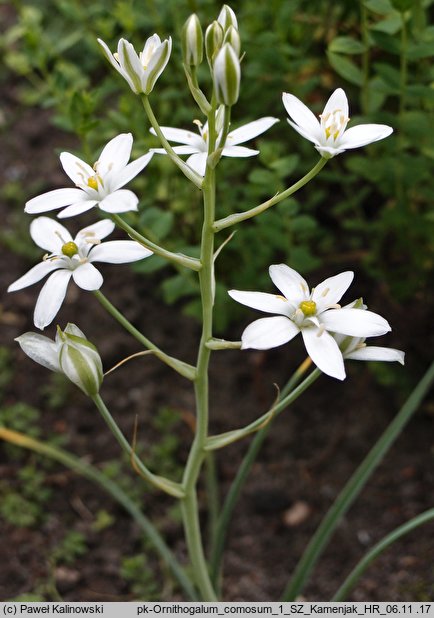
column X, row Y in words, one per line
column 227, row 75
column 71, row 354
column 233, row 38
column 227, row 18
column 79, row 360
column 142, row 70
column 213, row 41
column 192, row 41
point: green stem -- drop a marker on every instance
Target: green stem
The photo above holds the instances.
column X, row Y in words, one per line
column 365, row 58
column 173, row 489
column 197, row 452
column 212, row 493
column 185, row 169
column 246, row 465
column 378, row 549
column 221, row 224
column 176, row 258
column 353, row 488
column 403, row 68
column 95, row 476
column 186, row 370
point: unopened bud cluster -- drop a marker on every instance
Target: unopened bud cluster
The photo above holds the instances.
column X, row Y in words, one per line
column 222, row 49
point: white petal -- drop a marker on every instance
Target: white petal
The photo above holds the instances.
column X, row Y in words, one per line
column 116, row 64
column 35, row 274
column 303, row 118
column 337, row 101
column 197, row 162
column 119, row 179
column 290, row 283
column 100, row 230
column 328, row 152
column 118, row 252
column 330, row 291
column 115, row 154
column 72, row 329
column 269, row 303
column 50, row 298
column 268, row 333
column 78, row 171
column 375, row 353
column 250, row 130
column 87, row 277
column 182, row 137
column 49, row 234
column 324, row 352
column 239, row 151
column 119, row 201
column 306, row 134
column 363, row 134
column 354, row 322
column 41, row 349
column 54, row 199
column 77, row 209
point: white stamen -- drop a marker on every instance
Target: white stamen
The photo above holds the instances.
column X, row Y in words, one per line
column 320, row 330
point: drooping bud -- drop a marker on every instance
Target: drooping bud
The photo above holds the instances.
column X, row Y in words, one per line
column 227, row 18
column 233, row 38
column 213, row 41
column 227, row 75
column 79, row 360
column 71, row 354
column 192, row 41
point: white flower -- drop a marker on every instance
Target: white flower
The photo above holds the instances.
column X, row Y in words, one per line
column 142, row 70
column 314, row 313
column 70, row 353
column 74, row 258
column 196, row 144
column 99, row 185
column 355, row 348
column 329, row 134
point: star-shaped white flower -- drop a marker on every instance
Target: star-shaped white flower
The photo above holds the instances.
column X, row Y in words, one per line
column 329, row 134
column 74, row 258
column 99, row 185
column 314, row 313
column 355, row 348
column 141, row 70
column 196, row 144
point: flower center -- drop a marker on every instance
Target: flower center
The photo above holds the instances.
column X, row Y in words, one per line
column 334, row 123
column 69, row 249
column 308, row 307
column 92, row 182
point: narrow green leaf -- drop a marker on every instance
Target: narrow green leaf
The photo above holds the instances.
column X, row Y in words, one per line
column 345, row 68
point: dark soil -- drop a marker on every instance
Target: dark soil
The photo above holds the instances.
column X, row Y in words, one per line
column 310, row 453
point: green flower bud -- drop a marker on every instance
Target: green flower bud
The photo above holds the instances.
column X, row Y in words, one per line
column 227, row 18
column 227, row 75
column 71, row 354
column 192, row 41
column 79, row 360
column 213, row 41
column 233, row 38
